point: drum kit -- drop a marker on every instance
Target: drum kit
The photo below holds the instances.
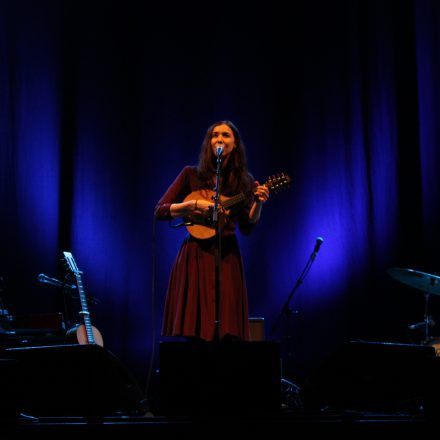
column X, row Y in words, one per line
column 430, row 285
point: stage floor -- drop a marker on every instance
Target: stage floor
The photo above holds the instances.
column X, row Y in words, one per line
column 341, row 423
column 367, row 388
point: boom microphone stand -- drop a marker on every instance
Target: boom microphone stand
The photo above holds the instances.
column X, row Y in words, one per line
column 286, row 309
column 291, row 391
column 218, row 246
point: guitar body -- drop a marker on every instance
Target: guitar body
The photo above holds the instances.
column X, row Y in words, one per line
column 202, row 226
column 78, row 334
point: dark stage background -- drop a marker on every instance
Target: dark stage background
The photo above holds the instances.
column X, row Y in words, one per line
column 103, row 102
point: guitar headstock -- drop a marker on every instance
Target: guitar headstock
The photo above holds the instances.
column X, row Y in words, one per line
column 70, row 263
column 278, row 182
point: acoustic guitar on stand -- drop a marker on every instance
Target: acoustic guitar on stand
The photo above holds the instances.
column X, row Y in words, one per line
column 85, row 333
column 202, row 226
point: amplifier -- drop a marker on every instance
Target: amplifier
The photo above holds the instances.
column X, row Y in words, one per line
column 257, row 329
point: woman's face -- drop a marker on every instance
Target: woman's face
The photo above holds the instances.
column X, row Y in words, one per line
column 222, row 136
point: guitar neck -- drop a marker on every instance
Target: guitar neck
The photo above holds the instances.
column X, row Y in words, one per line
column 85, row 310
column 272, row 184
column 233, row 200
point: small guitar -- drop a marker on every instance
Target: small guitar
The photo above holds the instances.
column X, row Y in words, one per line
column 202, row 226
column 85, row 333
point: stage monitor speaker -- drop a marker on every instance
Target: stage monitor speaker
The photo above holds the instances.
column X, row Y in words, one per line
column 73, row 380
column 374, row 376
column 219, row 377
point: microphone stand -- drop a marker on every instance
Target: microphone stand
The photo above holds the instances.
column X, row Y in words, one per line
column 286, row 309
column 218, row 245
column 291, row 391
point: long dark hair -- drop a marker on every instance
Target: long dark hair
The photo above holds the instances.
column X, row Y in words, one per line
column 235, row 175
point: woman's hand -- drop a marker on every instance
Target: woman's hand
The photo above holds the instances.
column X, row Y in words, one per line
column 261, row 193
column 202, row 206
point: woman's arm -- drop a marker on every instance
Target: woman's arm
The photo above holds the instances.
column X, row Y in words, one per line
column 261, row 194
column 173, row 195
column 193, row 206
column 183, row 209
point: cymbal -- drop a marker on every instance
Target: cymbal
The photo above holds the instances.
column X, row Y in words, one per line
column 420, row 280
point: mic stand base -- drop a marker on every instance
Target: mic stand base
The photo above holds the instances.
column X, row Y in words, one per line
column 290, row 395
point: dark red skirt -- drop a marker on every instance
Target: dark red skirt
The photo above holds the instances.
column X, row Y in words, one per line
column 190, row 305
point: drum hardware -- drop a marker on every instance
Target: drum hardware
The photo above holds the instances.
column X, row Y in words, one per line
column 418, row 325
column 5, row 317
column 429, row 284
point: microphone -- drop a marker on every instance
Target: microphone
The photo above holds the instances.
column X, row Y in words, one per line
column 319, row 241
column 219, row 149
column 54, row 282
column 430, row 322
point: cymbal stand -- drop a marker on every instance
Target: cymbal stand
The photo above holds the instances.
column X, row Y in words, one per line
column 426, row 323
column 426, row 317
